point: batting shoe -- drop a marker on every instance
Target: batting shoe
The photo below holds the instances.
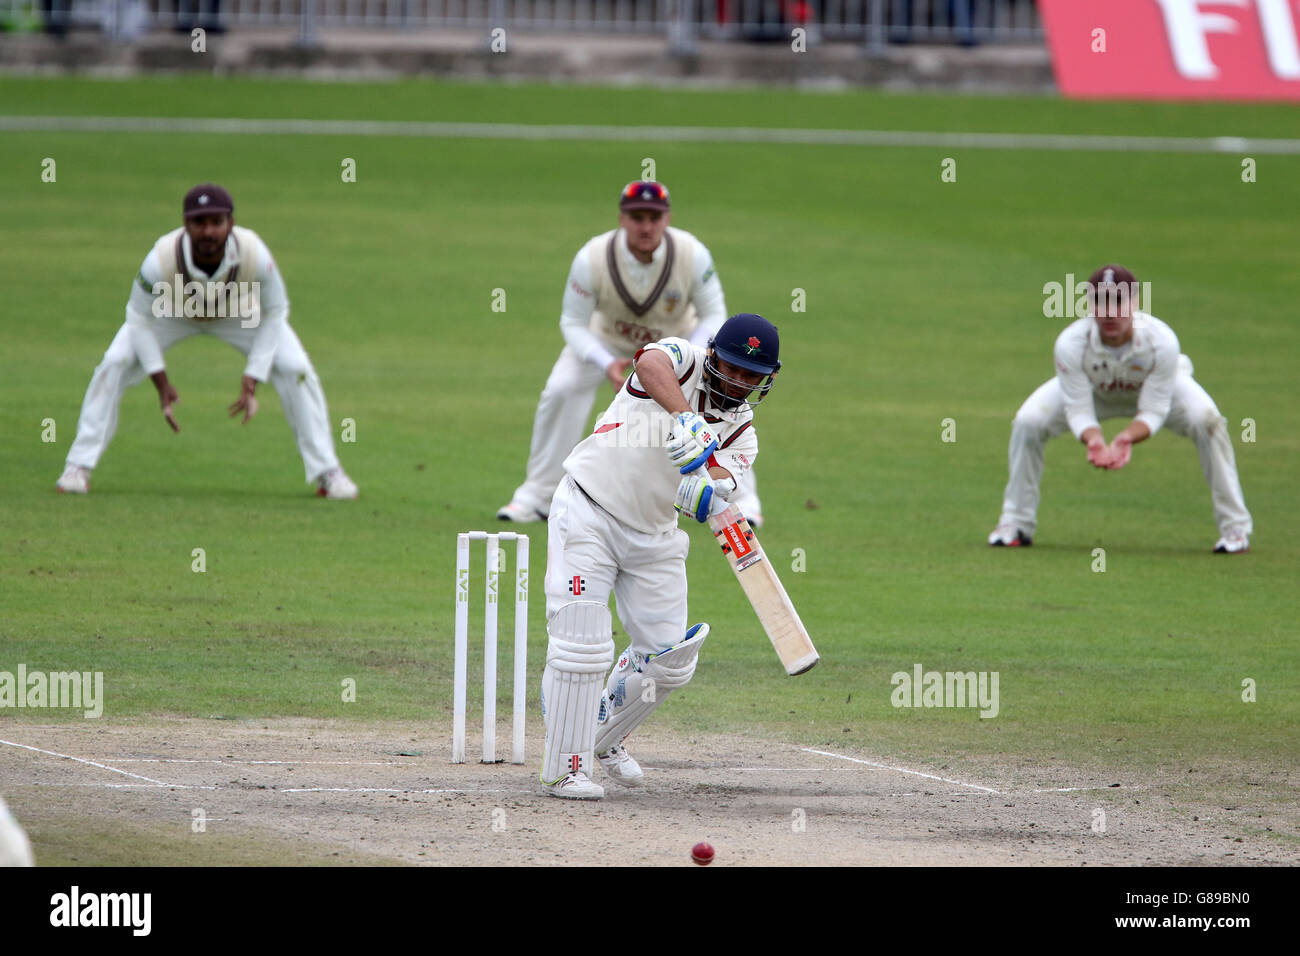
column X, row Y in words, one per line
column 1233, row 543
column 1009, row 536
column 575, row 786
column 337, row 485
column 620, row 766
column 75, row 480
column 520, row 513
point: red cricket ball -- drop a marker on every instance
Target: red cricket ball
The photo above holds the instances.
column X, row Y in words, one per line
column 702, row 854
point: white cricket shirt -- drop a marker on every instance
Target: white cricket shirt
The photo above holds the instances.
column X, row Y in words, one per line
column 1141, row 371
column 623, row 465
column 587, row 290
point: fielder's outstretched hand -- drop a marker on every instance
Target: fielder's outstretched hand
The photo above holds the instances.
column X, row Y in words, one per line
column 167, row 398
column 246, row 403
column 1121, row 450
column 1099, row 453
column 616, row 372
column 696, row 498
column 690, row 443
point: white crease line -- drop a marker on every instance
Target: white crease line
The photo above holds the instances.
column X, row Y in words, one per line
column 341, row 763
column 101, row 766
column 133, row 786
column 657, row 134
column 383, row 790
column 1078, row 789
column 930, row 776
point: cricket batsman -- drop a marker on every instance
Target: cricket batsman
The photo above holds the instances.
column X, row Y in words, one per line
column 209, row 277
column 637, row 284
column 1119, row 362
column 676, row 441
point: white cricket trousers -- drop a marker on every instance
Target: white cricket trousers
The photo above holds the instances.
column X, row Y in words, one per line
column 590, row 553
column 1192, row 414
column 292, row 375
column 560, row 423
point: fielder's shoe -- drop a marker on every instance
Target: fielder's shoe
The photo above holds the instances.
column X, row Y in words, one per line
column 75, row 480
column 336, row 484
column 520, row 514
column 755, row 520
column 620, row 766
column 1009, row 536
column 1233, row 543
column 575, row 786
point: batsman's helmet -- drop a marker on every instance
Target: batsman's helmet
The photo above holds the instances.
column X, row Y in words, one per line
column 747, row 341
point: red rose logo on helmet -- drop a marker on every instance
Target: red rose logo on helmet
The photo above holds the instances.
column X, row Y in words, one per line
column 753, row 345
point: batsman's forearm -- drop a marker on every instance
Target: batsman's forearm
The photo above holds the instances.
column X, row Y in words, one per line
column 655, row 372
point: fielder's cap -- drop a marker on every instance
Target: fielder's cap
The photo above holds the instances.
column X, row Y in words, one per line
column 1111, row 275
column 750, row 341
column 206, row 198
column 643, row 195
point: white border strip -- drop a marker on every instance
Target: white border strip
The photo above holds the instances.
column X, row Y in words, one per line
column 659, row 134
column 101, row 766
column 917, row 773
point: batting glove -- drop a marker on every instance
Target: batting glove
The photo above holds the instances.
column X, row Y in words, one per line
column 696, row 498
column 690, row 443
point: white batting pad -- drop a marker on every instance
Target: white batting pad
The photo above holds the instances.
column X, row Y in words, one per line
column 579, row 652
column 15, row 850
column 637, row 686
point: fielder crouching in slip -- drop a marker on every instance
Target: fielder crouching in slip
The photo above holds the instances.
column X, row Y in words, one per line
column 215, row 278
column 1119, row 362
column 675, row 441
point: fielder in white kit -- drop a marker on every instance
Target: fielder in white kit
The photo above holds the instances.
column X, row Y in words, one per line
column 628, row 287
column 1120, row 362
column 676, row 440
column 209, row 277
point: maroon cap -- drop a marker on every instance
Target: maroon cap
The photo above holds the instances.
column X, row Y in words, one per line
column 206, row 198
column 1113, row 287
column 643, row 195
column 1111, row 275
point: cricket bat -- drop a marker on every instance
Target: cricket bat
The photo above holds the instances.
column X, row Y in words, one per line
column 764, row 589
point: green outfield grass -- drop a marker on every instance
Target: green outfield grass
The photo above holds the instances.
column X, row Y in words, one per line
column 923, row 303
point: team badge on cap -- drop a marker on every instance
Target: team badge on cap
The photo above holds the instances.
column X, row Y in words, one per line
column 206, row 198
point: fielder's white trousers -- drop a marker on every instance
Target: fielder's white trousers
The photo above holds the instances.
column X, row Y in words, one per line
column 1193, row 415
column 291, row 373
column 590, row 553
column 561, row 422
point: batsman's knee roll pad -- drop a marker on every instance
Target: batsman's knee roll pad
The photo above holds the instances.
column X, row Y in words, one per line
column 638, row 685
column 581, row 639
column 579, row 652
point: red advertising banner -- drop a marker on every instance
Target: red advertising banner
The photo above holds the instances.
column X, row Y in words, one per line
column 1175, row 49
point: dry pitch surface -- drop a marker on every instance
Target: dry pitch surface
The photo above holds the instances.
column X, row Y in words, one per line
column 313, row 792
